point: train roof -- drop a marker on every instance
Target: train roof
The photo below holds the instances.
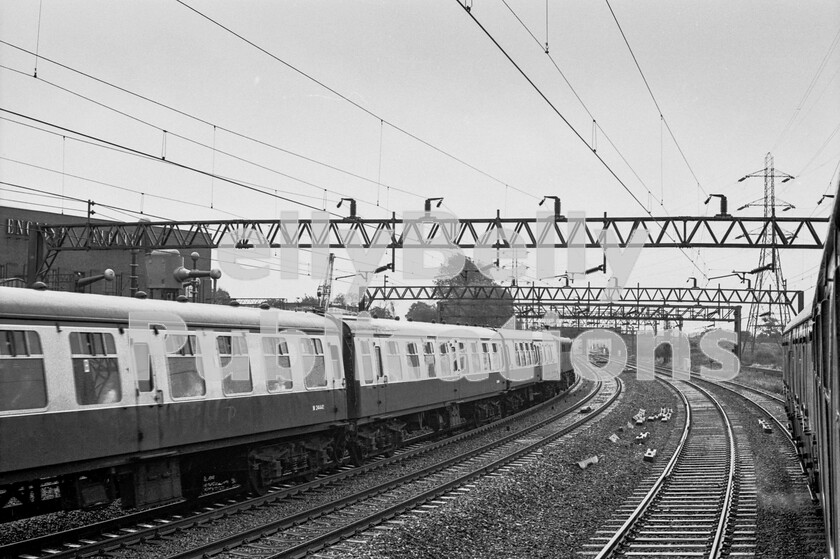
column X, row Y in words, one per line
column 388, row 327
column 51, row 306
column 803, row 316
column 826, row 262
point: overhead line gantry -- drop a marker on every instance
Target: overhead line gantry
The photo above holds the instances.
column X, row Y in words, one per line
column 428, row 232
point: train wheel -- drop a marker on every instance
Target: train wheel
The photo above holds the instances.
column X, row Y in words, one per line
column 255, row 483
column 357, row 457
column 192, row 485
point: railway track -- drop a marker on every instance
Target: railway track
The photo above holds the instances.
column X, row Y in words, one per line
column 163, row 522
column 324, row 525
column 772, row 406
column 702, row 502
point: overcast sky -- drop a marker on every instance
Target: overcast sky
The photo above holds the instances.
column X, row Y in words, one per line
column 733, row 80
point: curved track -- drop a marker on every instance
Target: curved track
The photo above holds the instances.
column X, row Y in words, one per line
column 322, row 526
column 163, row 522
column 689, row 510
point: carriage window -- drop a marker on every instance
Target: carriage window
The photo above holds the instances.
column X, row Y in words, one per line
column 379, row 371
column 185, row 380
column 22, row 384
column 462, row 357
column 429, row 358
column 278, row 368
column 95, row 369
column 367, row 361
column 475, row 358
column 413, row 360
column 142, row 366
column 233, row 357
column 394, row 362
column 336, row 357
column 312, row 352
column 485, row 356
column 495, row 357
column 444, row 360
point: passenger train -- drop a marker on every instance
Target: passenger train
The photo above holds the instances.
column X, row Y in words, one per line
column 811, row 344
column 116, row 397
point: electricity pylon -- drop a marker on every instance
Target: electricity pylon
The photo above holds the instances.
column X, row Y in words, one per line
column 769, row 271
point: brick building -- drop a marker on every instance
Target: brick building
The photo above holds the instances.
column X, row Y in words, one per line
column 69, row 266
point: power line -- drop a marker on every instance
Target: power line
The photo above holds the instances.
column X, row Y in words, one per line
column 157, row 158
column 550, row 104
column 563, row 118
column 87, row 179
column 348, row 100
column 191, row 116
column 655, row 102
column 808, row 90
column 196, row 142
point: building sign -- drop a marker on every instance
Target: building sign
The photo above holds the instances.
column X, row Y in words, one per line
column 20, row 227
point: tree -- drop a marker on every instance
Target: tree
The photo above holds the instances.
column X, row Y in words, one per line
column 771, row 329
column 380, row 312
column 492, row 312
column 663, row 351
column 309, row 301
column 421, row 312
column 221, row 297
column 277, row 303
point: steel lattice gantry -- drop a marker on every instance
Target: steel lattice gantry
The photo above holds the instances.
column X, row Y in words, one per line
column 426, row 231
column 571, row 294
column 628, row 311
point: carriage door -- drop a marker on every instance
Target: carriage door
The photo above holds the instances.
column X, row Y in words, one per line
column 147, row 377
column 380, row 381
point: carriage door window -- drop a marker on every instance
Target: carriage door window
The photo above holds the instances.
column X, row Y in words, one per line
column 444, row 361
column 185, row 380
column 233, row 358
column 95, row 369
column 429, row 358
column 413, row 360
column 367, row 361
column 278, row 367
column 494, row 357
column 142, row 366
column 22, row 383
column 312, row 352
column 462, row 357
column 378, row 351
column 394, row 362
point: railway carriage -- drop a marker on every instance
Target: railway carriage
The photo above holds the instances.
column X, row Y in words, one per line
column 811, row 343
column 105, row 397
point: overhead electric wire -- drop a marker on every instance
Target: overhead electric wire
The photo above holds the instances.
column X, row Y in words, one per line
column 550, row 104
column 198, row 143
column 808, row 90
column 820, row 150
column 655, row 102
column 86, row 179
column 73, row 198
column 196, row 118
column 563, row 118
column 348, row 100
column 158, row 158
column 31, row 191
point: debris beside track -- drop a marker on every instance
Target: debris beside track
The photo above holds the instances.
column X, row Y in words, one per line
column 546, row 509
column 786, row 517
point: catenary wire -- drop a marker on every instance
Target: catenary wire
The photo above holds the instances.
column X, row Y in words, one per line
column 350, row 101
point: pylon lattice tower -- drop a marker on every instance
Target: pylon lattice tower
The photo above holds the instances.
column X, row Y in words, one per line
column 769, row 271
